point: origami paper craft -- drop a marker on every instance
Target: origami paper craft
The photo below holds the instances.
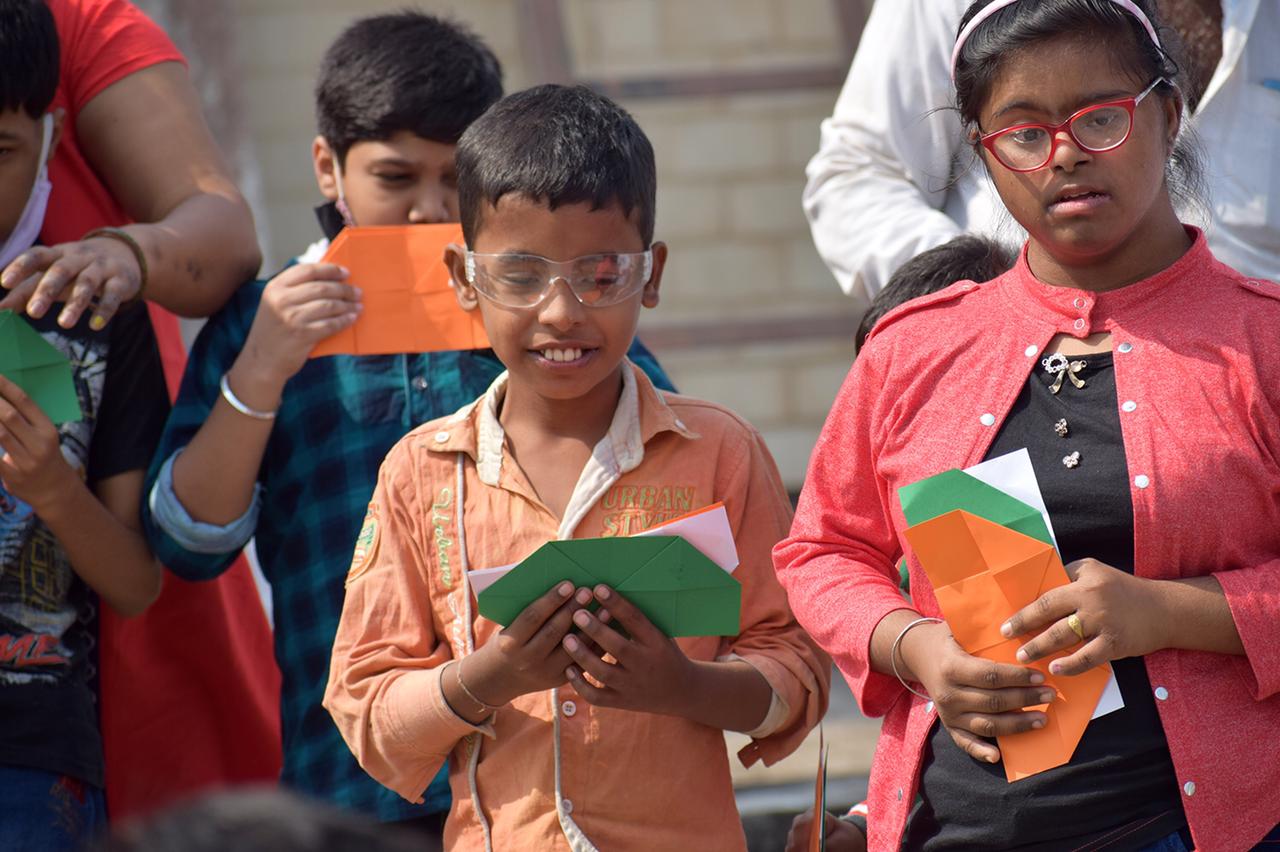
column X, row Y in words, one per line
column 678, row 588
column 706, row 529
column 408, row 304
column 35, row 365
column 982, row 572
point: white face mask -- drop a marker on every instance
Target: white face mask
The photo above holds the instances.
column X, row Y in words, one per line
column 27, row 231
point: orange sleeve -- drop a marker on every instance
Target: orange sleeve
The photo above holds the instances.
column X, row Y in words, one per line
column 770, row 639
column 384, row 679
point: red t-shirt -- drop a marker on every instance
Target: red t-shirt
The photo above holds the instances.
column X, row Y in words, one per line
column 103, row 41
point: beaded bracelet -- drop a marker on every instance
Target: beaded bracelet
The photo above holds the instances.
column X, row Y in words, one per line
column 893, row 654
column 122, row 236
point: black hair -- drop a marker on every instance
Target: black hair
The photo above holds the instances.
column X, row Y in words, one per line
column 1021, row 26
column 561, row 145
column 257, row 820
column 29, row 56
column 965, row 258
column 403, row 71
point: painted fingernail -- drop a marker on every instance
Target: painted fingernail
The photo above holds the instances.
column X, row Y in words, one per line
column 581, row 618
column 1037, row 678
column 1038, row 724
column 602, row 592
column 98, row 323
column 571, row 643
column 565, row 589
column 1006, row 630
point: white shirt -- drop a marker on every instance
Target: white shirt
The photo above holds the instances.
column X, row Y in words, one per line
column 893, row 176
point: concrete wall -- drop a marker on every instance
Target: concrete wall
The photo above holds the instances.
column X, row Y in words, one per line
column 750, row 316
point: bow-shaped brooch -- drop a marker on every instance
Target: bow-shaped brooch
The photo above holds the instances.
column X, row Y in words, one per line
column 1058, row 365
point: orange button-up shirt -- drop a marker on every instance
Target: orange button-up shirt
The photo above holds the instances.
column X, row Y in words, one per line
column 551, row 771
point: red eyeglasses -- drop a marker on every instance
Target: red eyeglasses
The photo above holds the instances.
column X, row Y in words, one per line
column 1096, row 128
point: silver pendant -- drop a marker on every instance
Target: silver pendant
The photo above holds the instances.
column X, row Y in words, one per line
column 1072, row 460
column 1061, row 428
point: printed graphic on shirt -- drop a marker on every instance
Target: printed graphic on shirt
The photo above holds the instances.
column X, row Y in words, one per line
column 42, row 616
column 441, row 524
column 366, row 544
column 634, row 508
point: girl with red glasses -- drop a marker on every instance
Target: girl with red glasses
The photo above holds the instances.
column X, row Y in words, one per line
column 1143, row 378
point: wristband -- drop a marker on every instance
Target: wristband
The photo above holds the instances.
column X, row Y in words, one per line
column 488, row 708
column 234, row 402
column 893, row 654
column 122, row 236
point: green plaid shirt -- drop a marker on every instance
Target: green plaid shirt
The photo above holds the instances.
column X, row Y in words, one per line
column 338, row 418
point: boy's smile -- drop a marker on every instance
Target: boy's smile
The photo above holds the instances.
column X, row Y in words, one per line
column 559, row 349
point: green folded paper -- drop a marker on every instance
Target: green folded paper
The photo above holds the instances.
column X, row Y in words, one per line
column 954, row 489
column 35, row 365
column 677, row 587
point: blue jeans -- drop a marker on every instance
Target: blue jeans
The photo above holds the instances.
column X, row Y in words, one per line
column 1175, row 843
column 47, row 812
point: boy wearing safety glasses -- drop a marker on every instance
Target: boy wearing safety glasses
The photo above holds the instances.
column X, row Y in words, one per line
column 567, row 729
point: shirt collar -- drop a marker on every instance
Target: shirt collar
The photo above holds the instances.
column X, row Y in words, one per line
column 642, row 413
column 1084, row 312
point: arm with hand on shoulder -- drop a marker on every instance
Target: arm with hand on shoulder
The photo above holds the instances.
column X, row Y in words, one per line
column 146, row 136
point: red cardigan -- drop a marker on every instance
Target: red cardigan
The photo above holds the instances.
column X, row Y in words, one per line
column 1197, row 348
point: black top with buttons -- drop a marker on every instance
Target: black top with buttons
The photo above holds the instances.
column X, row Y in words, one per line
column 1119, row 790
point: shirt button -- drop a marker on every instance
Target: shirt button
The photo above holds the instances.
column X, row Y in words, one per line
column 1030, row 351
column 441, row 437
column 1162, row 694
column 987, row 419
column 1129, row 405
column 899, row 794
column 1079, row 302
column 1141, row 480
column 420, row 383
column 1125, row 348
column 568, row 708
column 1079, row 324
column 566, row 806
column 1189, row 788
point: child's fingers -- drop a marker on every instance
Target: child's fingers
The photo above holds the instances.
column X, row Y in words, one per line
column 606, row 637
column 598, row 696
column 528, row 622
column 604, row 673
column 632, row 619
column 548, row 637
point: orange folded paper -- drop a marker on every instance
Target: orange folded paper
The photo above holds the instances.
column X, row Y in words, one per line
column 982, row 573
column 408, row 304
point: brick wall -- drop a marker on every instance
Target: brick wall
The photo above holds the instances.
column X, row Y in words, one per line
column 731, row 158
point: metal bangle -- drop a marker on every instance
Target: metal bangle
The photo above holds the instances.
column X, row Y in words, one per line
column 488, row 708
column 122, row 236
column 234, row 402
column 893, row 653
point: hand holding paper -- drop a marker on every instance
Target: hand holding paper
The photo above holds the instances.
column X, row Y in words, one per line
column 988, row 555
column 408, row 304
column 38, row 368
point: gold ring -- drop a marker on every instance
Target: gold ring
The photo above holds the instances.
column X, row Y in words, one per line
column 1073, row 621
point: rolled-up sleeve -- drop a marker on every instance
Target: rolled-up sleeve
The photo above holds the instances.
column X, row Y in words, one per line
column 384, row 688
column 174, row 520
column 770, row 639
column 881, row 175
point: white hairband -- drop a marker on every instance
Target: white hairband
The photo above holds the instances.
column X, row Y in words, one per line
column 992, row 8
